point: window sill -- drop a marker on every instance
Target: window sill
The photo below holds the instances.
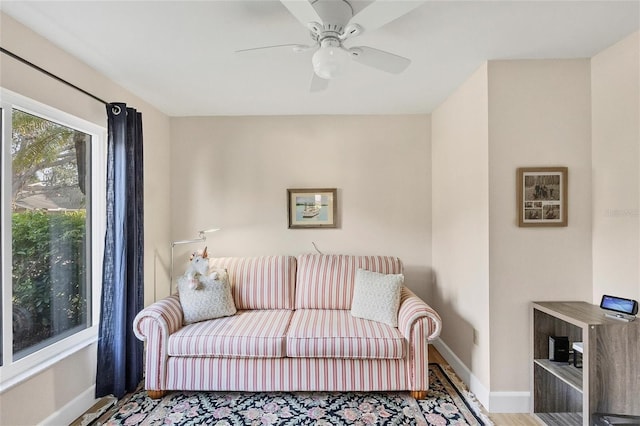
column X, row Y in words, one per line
column 19, row 378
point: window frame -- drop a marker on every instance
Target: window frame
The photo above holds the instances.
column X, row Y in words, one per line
column 13, row 372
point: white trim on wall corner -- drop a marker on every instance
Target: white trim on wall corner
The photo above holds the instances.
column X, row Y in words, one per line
column 494, row 402
column 73, row 409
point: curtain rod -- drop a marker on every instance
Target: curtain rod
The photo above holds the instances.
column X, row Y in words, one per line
column 55, row 77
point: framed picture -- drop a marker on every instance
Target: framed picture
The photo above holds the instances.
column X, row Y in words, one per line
column 312, row 208
column 542, row 196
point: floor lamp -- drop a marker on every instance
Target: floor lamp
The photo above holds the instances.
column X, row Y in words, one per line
column 201, row 238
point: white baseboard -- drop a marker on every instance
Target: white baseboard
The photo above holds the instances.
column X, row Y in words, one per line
column 472, row 382
column 494, row 402
column 72, row 410
column 510, row 402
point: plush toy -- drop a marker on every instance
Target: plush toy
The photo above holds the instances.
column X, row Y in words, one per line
column 196, row 273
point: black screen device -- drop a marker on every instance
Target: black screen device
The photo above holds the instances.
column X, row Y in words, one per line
column 619, row 304
column 559, row 348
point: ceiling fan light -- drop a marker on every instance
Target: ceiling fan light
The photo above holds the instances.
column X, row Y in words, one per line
column 330, row 61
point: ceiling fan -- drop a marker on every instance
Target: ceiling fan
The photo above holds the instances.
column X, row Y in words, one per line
column 331, row 23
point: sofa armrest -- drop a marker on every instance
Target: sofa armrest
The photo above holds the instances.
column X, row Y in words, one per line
column 418, row 323
column 412, row 309
column 167, row 313
column 154, row 324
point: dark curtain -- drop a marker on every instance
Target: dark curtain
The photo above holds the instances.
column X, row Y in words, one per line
column 120, row 353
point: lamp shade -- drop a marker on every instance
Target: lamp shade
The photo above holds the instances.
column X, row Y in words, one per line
column 329, row 61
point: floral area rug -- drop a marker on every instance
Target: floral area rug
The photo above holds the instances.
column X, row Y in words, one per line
column 447, row 403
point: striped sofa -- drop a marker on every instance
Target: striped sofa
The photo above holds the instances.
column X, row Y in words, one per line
column 293, row 332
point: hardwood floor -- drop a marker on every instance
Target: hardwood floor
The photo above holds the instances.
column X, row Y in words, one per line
column 498, row 419
column 515, row 420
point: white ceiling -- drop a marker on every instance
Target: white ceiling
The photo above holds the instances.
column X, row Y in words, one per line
column 179, row 55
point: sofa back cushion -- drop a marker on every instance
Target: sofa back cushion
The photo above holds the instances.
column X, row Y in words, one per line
column 265, row 282
column 327, row 281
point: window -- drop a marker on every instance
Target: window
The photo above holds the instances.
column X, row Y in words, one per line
column 53, row 185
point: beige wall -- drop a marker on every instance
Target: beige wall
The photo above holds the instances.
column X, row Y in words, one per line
column 615, row 87
column 59, row 385
column 508, row 114
column 233, row 172
column 461, row 222
column 54, row 389
column 539, row 115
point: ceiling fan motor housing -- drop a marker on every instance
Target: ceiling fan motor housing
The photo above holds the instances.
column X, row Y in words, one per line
column 335, row 15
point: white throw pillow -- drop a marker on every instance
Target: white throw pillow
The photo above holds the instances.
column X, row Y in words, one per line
column 376, row 296
column 211, row 299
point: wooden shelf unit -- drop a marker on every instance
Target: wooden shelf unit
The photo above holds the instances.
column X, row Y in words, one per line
column 608, row 382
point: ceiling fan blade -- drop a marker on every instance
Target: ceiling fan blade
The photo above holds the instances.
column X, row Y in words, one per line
column 318, row 84
column 381, row 12
column 296, row 47
column 302, row 10
column 380, row 59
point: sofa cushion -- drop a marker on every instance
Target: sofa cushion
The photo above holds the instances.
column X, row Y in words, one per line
column 327, row 281
column 323, row 333
column 266, row 282
column 246, row 334
column 376, row 296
